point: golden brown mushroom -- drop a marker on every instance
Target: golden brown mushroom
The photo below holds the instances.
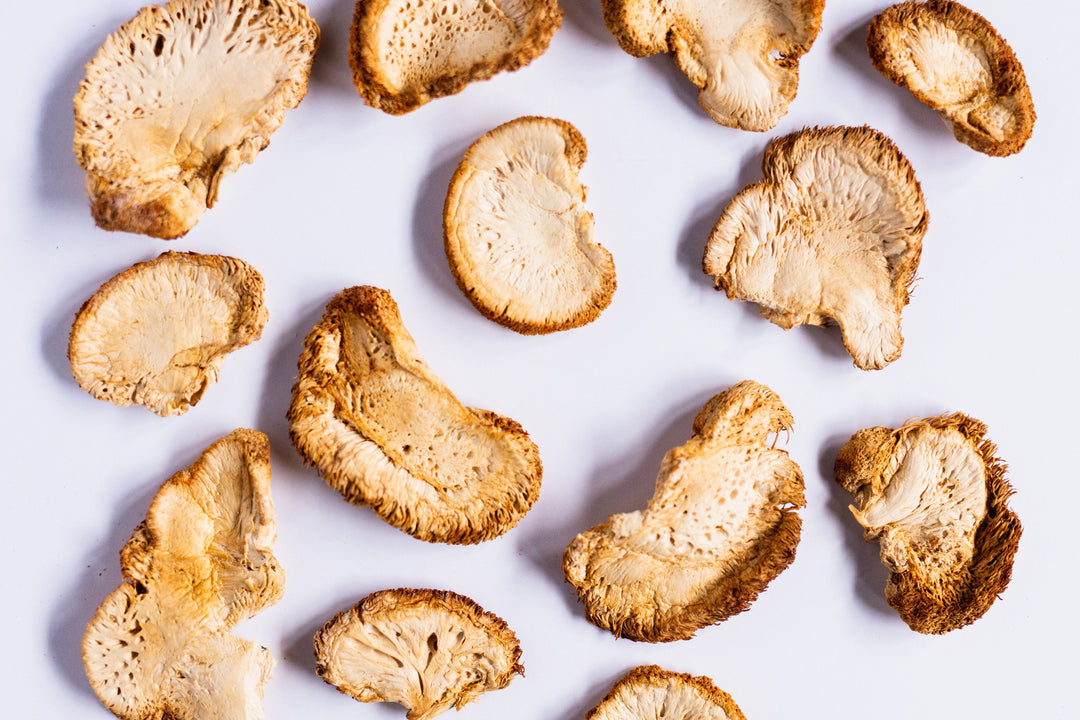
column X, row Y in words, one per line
column 648, row 692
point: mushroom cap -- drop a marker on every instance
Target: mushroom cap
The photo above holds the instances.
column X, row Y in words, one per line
column 404, row 54
column 933, row 495
column 518, row 238
column 179, row 97
column 720, row 526
column 157, row 334
column 954, row 61
column 427, row 650
column 384, row 431
column 649, row 691
column 832, row 234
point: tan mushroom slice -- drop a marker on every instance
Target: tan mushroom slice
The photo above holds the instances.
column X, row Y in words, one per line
column 518, row 237
column 405, row 53
column 158, row 646
column 384, row 431
column 157, row 334
column 427, row 650
column 933, row 495
column 648, row 692
column 720, row 526
column 832, row 234
column 179, row 97
column 954, row 61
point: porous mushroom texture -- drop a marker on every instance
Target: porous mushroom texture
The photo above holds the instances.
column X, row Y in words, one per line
column 180, row 96
column 954, row 61
column 427, row 650
column 518, row 237
column 649, row 692
column 933, row 495
column 384, row 431
column 405, row 53
column 202, row 561
column 832, row 234
column 720, row 526
column 157, row 333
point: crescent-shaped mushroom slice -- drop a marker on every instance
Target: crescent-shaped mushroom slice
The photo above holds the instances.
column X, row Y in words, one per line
column 518, row 238
column 648, row 692
column 159, row 646
column 720, row 526
column 426, row 650
column 157, row 334
column 832, row 234
column 933, row 495
column 180, row 96
column 384, row 431
column 954, row 61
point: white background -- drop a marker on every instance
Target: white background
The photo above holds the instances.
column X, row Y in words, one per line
column 347, row 195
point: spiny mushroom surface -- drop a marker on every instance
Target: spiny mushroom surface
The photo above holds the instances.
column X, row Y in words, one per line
column 518, row 238
column 405, row 53
column 384, row 431
column 954, row 61
column 719, row 528
column 426, row 650
column 158, row 646
column 933, row 495
column 648, row 692
column 832, row 234
column 181, row 96
column 157, row 333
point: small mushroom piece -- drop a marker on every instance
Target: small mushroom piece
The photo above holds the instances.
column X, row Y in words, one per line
column 384, row 431
column 180, row 96
column 427, row 650
column 720, row 526
column 954, row 61
column 157, row 333
column 832, row 234
column 933, row 495
column 648, row 692
column 518, row 238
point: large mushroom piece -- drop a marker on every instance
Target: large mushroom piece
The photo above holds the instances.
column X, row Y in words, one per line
column 720, row 526
column 832, row 234
column 648, row 692
column 159, row 646
column 933, row 495
column 384, row 431
column 179, row 97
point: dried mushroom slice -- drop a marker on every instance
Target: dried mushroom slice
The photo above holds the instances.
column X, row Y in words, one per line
column 158, row 646
column 518, row 237
column 179, row 97
column 426, row 650
column 648, row 692
column 384, row 431
column 720, row 526
column 832, row 234
column 933, row 495
column 405, row 53
column 954, row 61
column 157, row 333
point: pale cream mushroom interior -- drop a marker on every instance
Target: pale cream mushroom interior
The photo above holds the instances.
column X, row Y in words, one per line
column 649, row 692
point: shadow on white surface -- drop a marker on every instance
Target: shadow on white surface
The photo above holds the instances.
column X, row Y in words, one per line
column 587, row 16
column 331, row 69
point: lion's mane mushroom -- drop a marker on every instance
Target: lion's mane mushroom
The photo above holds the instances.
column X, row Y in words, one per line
column 179, row 97
column 954, row 61
column 384, row 431
column 518, row 238
column 832, row 234
column 720, row 526
column 649, row 692
column 933, row 495
column 405, row 53
column 159, row 646
column 426, row 650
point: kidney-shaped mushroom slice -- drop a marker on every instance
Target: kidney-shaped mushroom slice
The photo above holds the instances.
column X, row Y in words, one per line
column 648, row 692
column 933, row 495
column 833, row 233
column 384, row 431
column 157, row 333
column 954, row 61
column 427, row 650
column 179, row 97
column 518, row 237
column 720, row 526
column 202, row 561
